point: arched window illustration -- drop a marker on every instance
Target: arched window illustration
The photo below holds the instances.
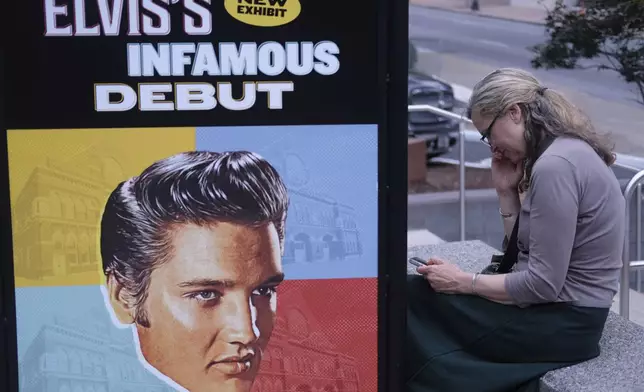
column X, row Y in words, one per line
column 45, row 230
column 71, row 251
column 59, row 241
column 74, row 363
column 111, row 371
column 287, row 365
column 267, row 358
column 86, row 362
column 277, row 356
column 298, row 326
column 83, row 249
column 63, row 362
column 42, row 362
column 299, row 213
column 136, row 374
column 310, row 366
column 98, row 365
column 68, row 207
column 301, row 366
column 125, row 376
column 40, row 206
column 278, row 386
column 64, row 387
column 80, row 209
column 92, row 235
column 92, row 210
column 55, row 205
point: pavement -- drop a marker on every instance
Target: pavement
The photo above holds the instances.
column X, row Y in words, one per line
column 462, row 48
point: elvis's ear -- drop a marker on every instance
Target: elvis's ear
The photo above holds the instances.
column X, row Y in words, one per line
column 123, row 309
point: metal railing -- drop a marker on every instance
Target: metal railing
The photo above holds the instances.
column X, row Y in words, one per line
column 461, row 154
column 634, row 186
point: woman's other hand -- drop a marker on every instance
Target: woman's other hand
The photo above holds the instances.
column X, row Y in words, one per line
column 445, row 277
column 506, row 174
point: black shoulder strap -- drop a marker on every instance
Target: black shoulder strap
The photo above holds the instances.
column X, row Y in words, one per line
column 511, row 254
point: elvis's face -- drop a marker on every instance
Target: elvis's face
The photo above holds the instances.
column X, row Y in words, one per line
column 211, row 307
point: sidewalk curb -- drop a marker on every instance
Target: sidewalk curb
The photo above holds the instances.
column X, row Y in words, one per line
column 464, row 11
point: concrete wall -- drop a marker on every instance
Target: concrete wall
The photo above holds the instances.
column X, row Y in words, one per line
column 441, row 215
column 416, row 160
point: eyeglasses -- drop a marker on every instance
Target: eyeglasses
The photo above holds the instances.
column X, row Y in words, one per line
column 485, row 135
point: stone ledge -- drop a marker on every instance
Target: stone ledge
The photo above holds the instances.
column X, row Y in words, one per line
column 617, row 369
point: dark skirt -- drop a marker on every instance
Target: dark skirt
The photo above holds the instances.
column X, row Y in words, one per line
column 464, row 343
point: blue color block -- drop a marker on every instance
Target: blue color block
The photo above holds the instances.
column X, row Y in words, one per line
column 331, row 172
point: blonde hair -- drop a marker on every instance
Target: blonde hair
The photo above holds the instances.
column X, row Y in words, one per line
column 547, row 113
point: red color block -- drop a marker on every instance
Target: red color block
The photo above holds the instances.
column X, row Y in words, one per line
column 325, row 338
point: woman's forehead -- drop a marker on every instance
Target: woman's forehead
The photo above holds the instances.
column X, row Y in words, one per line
column 480, row 122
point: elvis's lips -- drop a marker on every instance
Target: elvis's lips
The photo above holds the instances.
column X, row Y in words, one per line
column 234, row 365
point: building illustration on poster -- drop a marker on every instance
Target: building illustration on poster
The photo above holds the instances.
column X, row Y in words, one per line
column 57, row 216
column 58, row 211
column 86, row 355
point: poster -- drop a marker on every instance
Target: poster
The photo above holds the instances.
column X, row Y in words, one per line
column 194, row 200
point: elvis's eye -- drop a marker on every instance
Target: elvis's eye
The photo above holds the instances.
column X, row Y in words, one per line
column 265, row 291
column 205, row 296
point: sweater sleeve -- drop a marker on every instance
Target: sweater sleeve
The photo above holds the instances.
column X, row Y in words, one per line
column 554, row 206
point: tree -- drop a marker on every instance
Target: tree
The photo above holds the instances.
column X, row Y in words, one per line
column 609, row 32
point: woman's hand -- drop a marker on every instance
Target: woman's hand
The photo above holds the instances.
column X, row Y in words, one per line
column 506, row 175
column 445, row 277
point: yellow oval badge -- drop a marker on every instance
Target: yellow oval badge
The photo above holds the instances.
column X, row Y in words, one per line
column 265, row 13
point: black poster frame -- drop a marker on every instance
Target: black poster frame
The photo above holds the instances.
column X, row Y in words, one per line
column 8, row 338
column 392, row 233
column 392, row 188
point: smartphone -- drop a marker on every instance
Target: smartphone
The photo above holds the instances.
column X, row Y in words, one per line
column 417, row 261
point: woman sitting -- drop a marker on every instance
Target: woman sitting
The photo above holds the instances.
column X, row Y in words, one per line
column 500, row 332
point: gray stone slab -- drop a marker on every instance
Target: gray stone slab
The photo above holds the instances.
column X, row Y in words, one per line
column 618, row 368
column 469, row 255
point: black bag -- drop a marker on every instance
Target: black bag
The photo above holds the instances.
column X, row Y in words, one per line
column 503, row 264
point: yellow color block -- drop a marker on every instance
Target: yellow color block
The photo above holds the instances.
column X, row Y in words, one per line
column 59, row 182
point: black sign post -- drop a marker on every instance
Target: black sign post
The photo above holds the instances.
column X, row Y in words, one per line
column 203, row 195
